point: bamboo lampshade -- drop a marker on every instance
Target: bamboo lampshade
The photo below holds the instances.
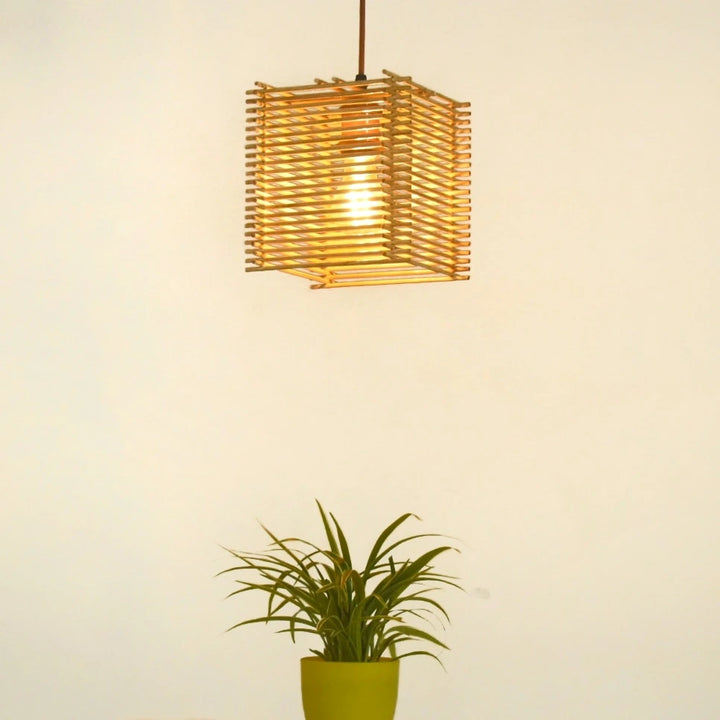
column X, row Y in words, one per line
column 364, row 182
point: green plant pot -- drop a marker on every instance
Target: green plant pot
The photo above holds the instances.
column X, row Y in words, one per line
column 349, row 690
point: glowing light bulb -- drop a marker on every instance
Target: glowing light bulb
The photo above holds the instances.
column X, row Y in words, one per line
column 362, row 198
column 359, row 201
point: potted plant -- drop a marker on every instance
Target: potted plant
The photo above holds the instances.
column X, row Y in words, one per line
column 362, row 617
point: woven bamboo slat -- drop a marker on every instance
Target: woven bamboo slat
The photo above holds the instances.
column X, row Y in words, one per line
column 358, row 183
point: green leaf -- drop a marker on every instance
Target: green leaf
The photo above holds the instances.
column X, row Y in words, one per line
column 356, row 615
column 384, row 535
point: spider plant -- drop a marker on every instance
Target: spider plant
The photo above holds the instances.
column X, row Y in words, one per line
column 359, row 615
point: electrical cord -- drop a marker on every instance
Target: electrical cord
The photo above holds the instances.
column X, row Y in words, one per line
column 361, row 53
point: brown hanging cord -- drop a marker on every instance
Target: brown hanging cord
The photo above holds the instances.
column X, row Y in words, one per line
column 361, row 54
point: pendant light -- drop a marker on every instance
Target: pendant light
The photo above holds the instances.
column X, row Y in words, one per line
column 363, row 182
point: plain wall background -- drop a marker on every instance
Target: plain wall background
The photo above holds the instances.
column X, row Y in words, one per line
column 559, row 413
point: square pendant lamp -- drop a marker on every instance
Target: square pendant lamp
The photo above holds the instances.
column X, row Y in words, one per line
column 363, row 182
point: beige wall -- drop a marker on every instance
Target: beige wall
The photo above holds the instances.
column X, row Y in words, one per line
column 558, row 413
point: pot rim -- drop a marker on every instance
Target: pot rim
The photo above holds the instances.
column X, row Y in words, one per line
column 315, row 658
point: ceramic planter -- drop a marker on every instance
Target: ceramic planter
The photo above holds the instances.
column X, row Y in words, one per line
column 349, row 690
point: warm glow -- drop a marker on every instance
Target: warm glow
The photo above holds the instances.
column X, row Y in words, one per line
column 358, row 183
column 361, row 201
